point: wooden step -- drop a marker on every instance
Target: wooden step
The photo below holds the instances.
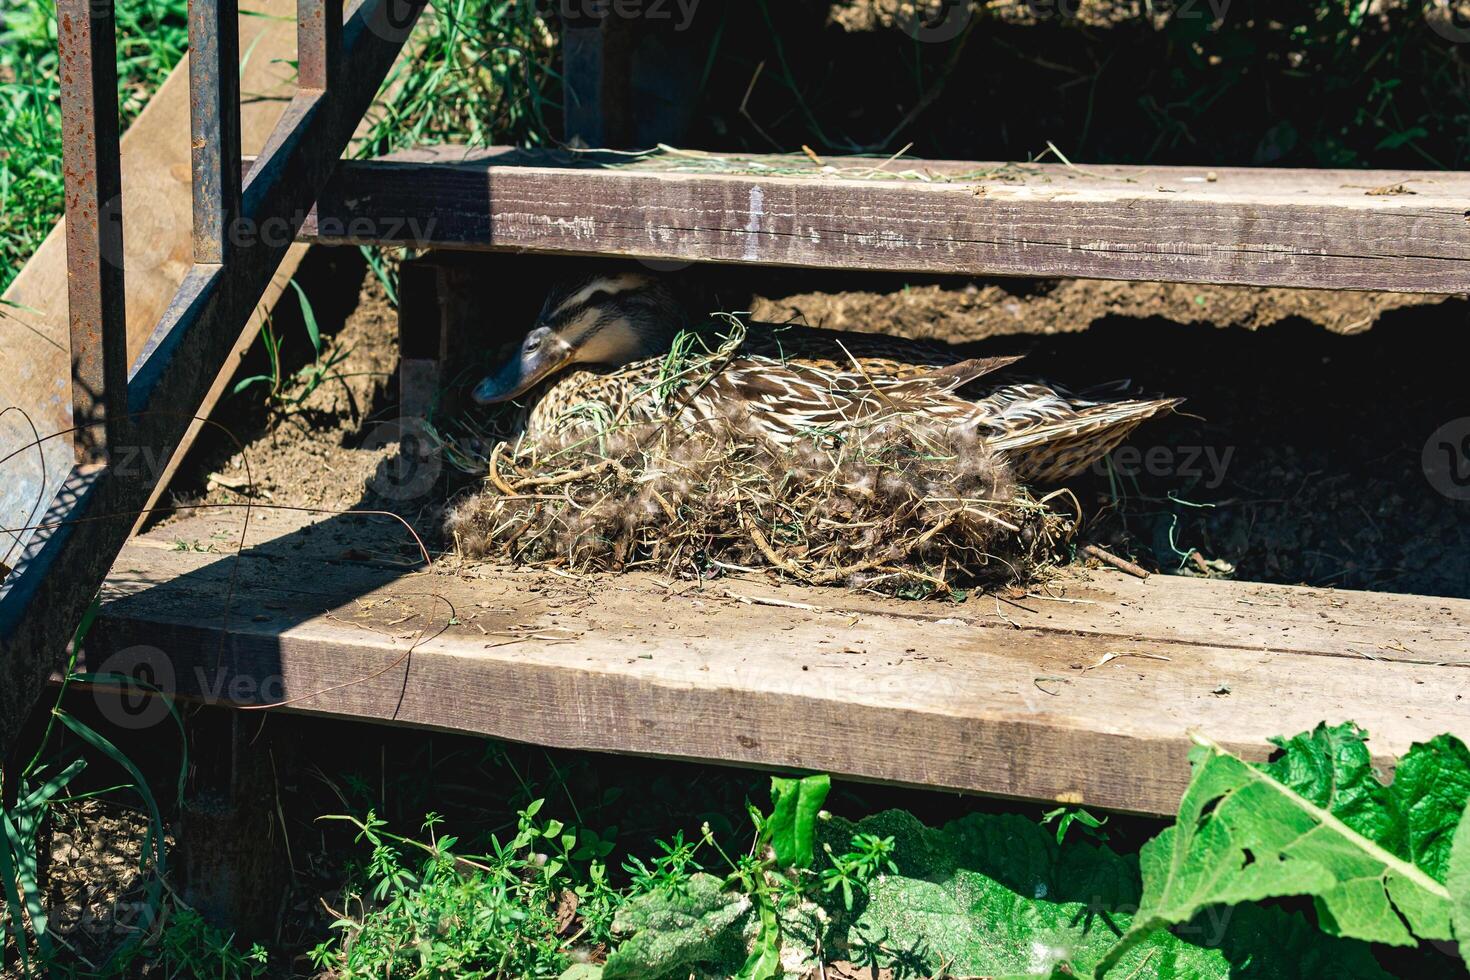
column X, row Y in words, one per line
column 1083, row 691
column 1331, row 229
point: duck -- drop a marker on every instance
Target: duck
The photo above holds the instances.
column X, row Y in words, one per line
column 602, row 341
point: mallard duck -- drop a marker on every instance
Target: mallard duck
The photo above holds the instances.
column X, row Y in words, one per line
column 794, row 383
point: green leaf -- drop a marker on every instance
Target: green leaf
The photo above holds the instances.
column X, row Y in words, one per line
column 764, row 962
column 153, row 839
column 1333, row 769
column 245, row 383
column 1396, row 140
column 995, row 895
column 986, row 895
column 1430, row 789
column 1414, row 817
column 795, row 804
column 1459, row 885
column 308, row 316
column 1244, row 835
column 671, row 932
column 20, row 826
column 11, row 895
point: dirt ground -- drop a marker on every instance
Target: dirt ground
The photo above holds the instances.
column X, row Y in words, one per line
column 97, row 895
column 1296, row 459
column 870, row 15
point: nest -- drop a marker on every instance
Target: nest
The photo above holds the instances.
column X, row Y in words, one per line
column 906, row 506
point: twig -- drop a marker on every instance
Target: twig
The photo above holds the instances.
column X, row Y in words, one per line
column 882, row 166
column 1109, row 657
column 752, row 600
column 494, row 471
column 934, row 91
column 745, row 111
column 1121, row 564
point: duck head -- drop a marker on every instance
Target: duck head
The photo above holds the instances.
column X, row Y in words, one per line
column 605, row 320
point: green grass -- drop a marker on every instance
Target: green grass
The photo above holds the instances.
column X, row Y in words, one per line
column 152, row 35
column 480, row 72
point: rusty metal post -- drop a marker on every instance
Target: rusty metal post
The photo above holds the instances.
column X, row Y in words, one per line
column 92, row 171
column 43, row 599
column 214, row 110
column 318, row 43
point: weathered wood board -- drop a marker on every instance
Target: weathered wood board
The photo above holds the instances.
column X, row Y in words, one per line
column 1084, row 693
column 1402, row 231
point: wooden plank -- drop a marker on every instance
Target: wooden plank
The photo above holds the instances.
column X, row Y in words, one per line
column 1241, row 615
column 158, row 252
column 1386, row 230
column 597, row 79
column 1075, row 600
column 897, row 692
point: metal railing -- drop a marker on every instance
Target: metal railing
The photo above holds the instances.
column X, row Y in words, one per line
column 148, row 405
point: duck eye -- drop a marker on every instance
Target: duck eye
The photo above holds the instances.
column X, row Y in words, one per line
column 532, row 344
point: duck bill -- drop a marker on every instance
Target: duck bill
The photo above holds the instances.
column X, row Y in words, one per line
column 518, row 376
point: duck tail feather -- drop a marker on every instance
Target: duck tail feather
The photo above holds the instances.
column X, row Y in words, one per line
column 1057, row 449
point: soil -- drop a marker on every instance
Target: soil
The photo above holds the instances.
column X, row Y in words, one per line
column 324, row 450
column 858, row 16
column 1296, row 458
column 97, row 896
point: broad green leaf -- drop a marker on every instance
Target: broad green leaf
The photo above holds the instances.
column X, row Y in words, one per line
column 1414, row 817
column 795, row 804
column 1431, row 786
column 987, row 895
column 672, row 932
column 1244, row 835
column 1331, row 767
column 1459, row 884
column 995, row 895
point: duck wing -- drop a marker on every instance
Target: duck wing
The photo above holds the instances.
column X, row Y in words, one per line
column 795, row 399
column 1046, row 432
